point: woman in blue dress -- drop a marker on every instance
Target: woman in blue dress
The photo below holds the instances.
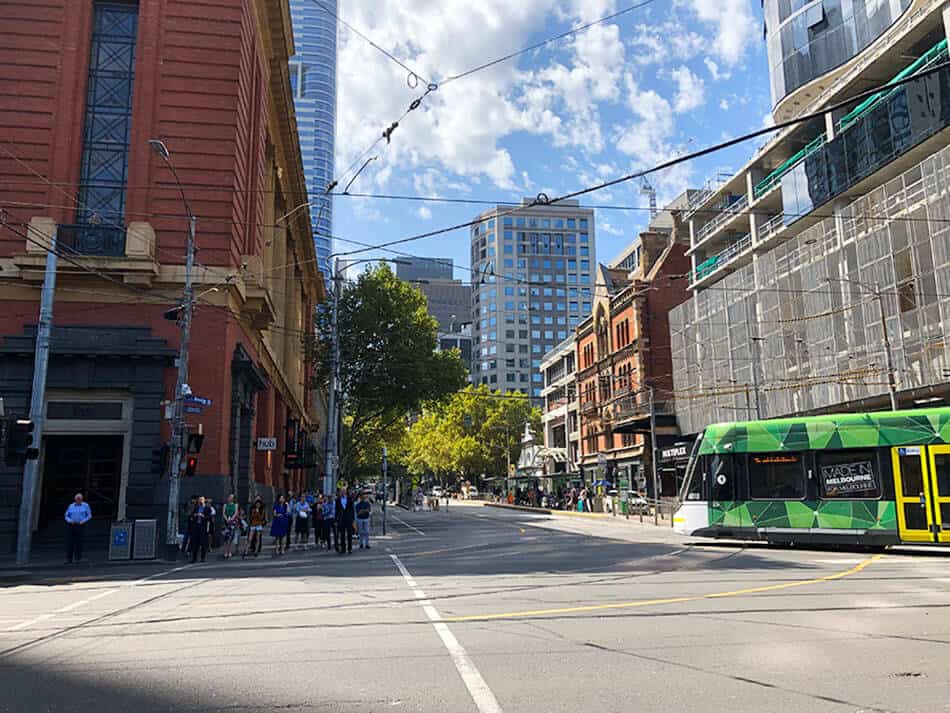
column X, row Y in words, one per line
column 280, row 525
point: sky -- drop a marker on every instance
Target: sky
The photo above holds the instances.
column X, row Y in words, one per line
column 662, row 80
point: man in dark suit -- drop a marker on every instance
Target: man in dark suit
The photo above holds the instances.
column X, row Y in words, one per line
column 345, row 517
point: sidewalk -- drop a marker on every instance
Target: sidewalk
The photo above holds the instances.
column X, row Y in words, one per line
column 49, row 558
column 601, row 516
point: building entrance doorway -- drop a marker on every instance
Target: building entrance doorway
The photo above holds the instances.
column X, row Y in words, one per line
column 89, row 464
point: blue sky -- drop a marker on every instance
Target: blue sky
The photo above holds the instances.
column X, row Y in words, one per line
column 659, row 81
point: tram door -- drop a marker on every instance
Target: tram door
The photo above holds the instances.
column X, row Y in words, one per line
column 922, row 488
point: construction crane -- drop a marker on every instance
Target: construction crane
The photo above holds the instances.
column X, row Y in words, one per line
column 647, row 189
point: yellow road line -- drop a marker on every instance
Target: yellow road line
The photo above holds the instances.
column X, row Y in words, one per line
column 671, row 600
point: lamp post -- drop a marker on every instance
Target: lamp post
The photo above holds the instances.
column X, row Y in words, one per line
column 334, row 411
column 178, row 417
column 879, row 295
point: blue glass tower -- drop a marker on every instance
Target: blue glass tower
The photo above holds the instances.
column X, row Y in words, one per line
column 313, row 79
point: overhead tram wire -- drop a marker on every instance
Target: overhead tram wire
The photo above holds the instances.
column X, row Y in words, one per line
column 543, row 200
column 368, row 40
column 549, row 40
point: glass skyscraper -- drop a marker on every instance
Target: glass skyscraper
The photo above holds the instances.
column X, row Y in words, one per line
column 313, row 79
column 533, row 283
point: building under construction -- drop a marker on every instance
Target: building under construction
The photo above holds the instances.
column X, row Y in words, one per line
column 836, row 227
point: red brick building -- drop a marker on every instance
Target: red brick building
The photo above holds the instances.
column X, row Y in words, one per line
column 623, row 350
column 84, row 86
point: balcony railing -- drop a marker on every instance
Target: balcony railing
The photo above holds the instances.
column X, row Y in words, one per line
column 930, row 58
column 709, row 188
column 588, row 406
column 771, row 226
column 637, row 407
column 721, row 218
column 98, row 240
column 774, row 178
column 712, row 264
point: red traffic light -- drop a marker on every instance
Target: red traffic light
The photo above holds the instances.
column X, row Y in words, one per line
column 191, row 465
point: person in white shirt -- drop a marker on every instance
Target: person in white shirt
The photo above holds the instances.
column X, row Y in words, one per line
column 77, row 515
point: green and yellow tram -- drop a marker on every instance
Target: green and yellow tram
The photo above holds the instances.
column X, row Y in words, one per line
column 853, row 479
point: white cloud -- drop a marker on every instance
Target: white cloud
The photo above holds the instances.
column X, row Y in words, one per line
column 651, row 140
column 724, row 104
column 604, row 226
column 458, row 127
column 424, row 212
column 734, row 23
column 690, row 90
column 714, row 71
column 658, row 43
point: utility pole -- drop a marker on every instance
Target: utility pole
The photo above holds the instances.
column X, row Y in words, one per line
column 37, row 401
column 178, row 430
column 332, row 458
column 507, row 462
column 755, row 378
column 891, row 383
column 181, row 383
column 656, row 481
column 875, row 290
column 385, row 486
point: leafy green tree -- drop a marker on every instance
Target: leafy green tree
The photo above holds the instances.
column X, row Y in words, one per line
column 476, row 431
column 389, row 365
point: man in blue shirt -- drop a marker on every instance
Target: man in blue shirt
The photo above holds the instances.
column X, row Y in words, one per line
column 77, row 515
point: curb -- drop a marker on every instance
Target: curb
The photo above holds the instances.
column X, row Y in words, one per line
column 549, row 511
column 602, row 516
column 8, row 571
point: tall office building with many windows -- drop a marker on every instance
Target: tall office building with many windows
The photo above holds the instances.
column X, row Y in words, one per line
column 533, row 283
column 313, row 78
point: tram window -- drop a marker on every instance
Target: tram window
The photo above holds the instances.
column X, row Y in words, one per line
column 942, row 468
column 776, row 476
column 722, row 477
column 849, row 474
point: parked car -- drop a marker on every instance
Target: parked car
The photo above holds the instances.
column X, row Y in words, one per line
column 437, row 491
column 472, row 493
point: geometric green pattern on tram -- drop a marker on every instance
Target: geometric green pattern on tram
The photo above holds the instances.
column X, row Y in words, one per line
column 806, row 514
column 834, row 431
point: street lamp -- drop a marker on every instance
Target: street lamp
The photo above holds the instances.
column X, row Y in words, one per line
column 178, row 424
column 879, row 295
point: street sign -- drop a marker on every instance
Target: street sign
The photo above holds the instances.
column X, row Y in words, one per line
column 267, row 444
column 194, row 409
column 120, row 541
column 198, row 400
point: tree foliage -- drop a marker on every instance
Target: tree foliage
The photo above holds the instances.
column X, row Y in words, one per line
column 470, row 434
column 389, row 365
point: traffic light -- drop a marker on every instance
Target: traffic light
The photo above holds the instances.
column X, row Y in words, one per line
column 19, row 439
column 194, row 442
column 191, row 465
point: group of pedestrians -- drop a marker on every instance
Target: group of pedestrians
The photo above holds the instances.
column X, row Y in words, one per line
column 332, row 520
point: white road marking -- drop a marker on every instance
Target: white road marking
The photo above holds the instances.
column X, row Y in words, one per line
column 411, row 527
column 481, row 694
column 82, row 602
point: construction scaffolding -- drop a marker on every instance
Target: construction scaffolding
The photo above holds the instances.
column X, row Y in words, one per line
column 798, row 329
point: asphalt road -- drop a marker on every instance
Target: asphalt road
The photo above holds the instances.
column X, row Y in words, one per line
column 483, row 610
